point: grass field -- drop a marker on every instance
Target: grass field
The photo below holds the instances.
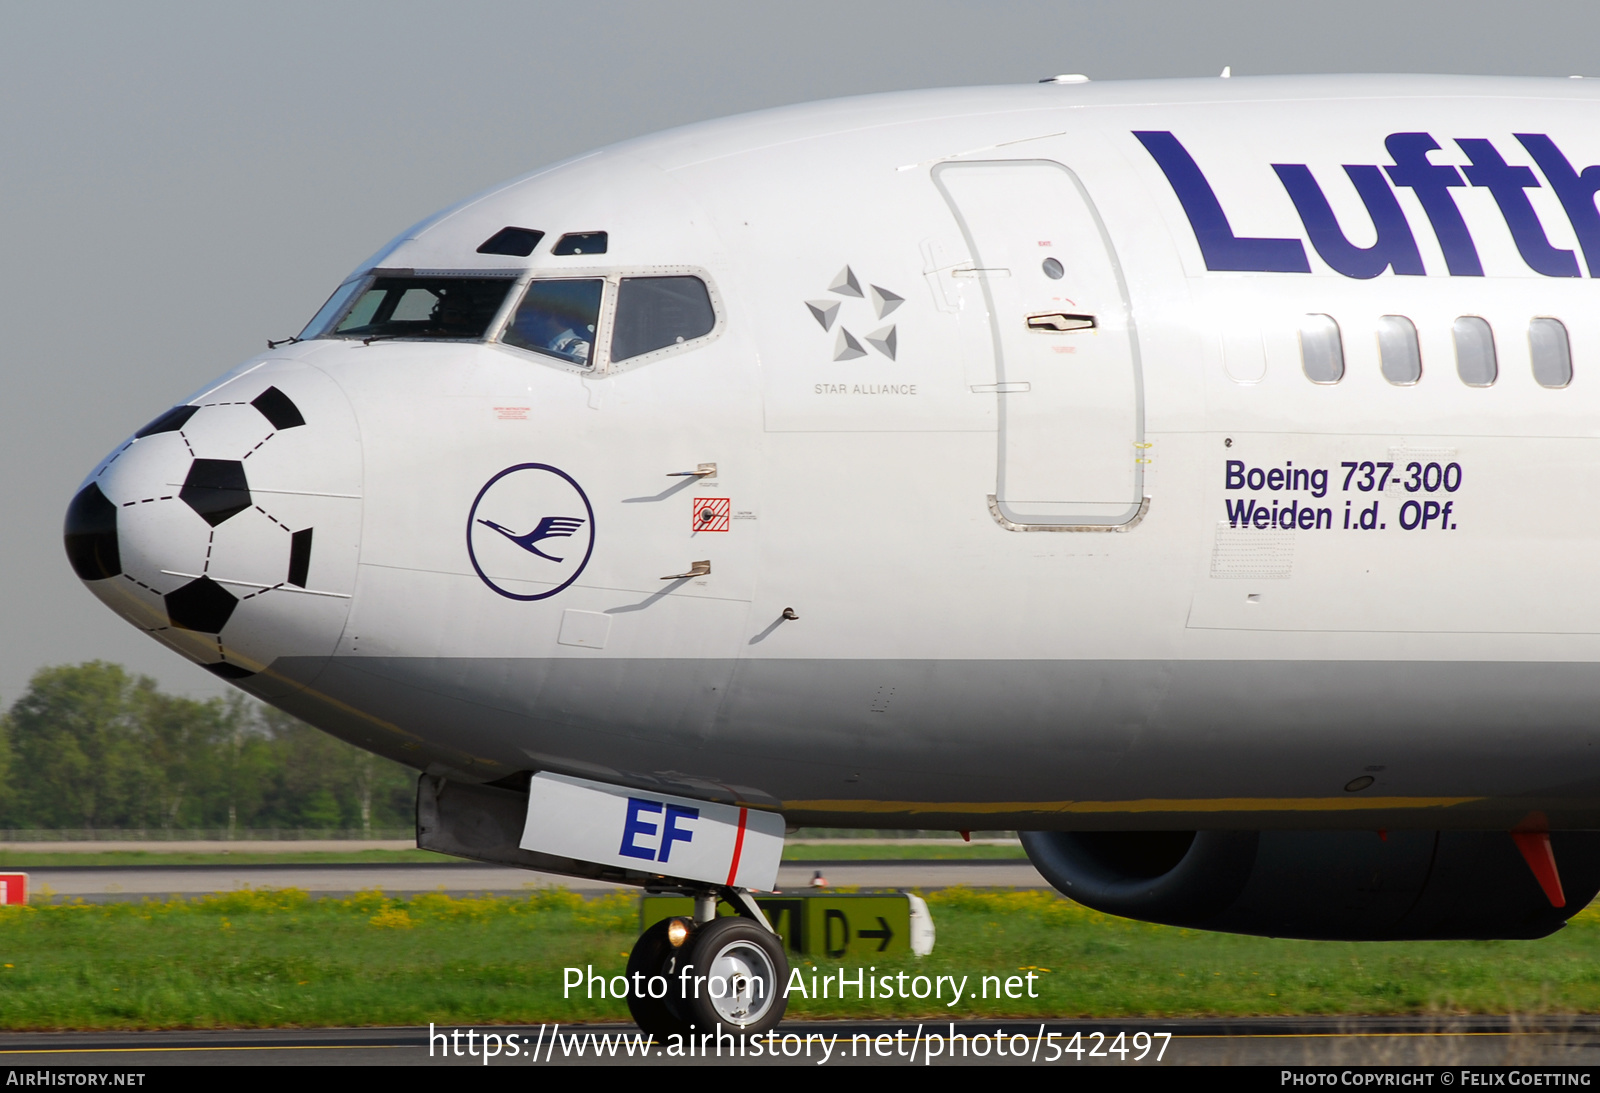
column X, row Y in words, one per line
column 794, row 851
column 264, row 958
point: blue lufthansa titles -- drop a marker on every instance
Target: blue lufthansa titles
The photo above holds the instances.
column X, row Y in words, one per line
column 1395, row 247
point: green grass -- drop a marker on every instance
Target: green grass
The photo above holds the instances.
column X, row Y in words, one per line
column 264, row 958
column 795, row 851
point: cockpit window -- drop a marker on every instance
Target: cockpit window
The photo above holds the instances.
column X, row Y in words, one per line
column 581, row 243
column 655, row 312
column 456, row 308
column 517, row 242
column 558, row 318
column 336, row 305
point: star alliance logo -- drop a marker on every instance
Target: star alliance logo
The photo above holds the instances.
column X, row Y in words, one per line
column 846, row 346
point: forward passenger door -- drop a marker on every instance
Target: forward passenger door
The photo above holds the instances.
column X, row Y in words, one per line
column 1066, row 359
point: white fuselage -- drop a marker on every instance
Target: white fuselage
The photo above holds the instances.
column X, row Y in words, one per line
column 1031, row 583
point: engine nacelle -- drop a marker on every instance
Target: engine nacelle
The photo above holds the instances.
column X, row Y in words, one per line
column 1327, row 885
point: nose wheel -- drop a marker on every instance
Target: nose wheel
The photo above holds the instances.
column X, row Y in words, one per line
column 716, row 974
column 736, row 974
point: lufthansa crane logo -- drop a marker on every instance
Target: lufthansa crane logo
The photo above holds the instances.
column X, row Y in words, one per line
column 530, row 531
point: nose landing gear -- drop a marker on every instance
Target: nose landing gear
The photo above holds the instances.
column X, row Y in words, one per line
column 711, row 974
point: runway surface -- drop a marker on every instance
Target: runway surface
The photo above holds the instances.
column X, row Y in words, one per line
column 349, row 846
column 98, row 883
column 207, row 846
column 1276, row 1041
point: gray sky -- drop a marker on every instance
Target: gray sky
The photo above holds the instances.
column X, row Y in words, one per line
column 179, row 182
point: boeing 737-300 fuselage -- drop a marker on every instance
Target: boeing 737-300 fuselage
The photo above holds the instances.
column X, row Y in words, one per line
column 1194, row 474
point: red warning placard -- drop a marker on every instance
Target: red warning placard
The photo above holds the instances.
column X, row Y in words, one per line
column 711, row 513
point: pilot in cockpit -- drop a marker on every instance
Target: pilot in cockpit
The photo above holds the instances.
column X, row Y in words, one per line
column 554, row 333
column 571, row 345
column 454, row 316
column 558, row 317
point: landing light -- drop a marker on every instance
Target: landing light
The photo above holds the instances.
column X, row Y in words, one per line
column 677, row 933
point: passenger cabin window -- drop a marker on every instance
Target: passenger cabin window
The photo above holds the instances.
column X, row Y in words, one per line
column 1551, row 352
column 1321, row 350
column 1399, row 354
column 1475, row 359
column 451, row 308
column 655, row 312
column 558, row 319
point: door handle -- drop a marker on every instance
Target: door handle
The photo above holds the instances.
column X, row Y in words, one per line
column 1056, row 322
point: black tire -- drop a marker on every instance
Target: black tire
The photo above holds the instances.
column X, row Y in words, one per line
column 748, row 964
column 654, row 955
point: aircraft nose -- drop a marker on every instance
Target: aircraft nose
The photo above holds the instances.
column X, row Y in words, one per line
column 228, row 528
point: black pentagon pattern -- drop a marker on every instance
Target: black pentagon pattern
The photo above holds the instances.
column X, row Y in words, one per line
column 216, row 489
column 202, row 605
column 278, row 408
column 169, row 422
column 91, row 535
column 300, row 557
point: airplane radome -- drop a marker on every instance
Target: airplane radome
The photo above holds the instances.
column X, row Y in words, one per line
column 1197, row 476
